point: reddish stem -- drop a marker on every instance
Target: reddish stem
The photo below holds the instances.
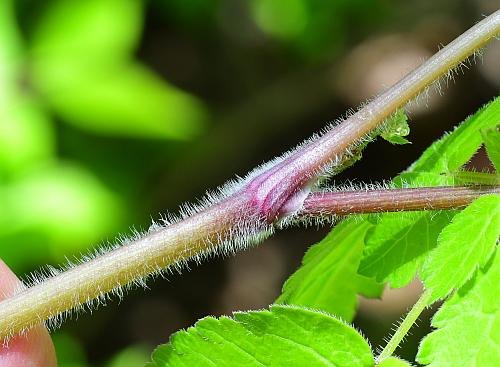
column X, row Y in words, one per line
column 390, row 200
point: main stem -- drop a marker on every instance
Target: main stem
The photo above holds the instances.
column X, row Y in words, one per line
column 243, row 213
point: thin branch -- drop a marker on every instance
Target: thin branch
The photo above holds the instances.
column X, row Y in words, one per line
column 392, row 200
column 405, row 326
column 235, row 219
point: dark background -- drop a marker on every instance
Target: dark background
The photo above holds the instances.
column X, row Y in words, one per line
column 115, row 111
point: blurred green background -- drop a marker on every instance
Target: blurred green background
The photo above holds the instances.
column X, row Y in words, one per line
column 113, row 111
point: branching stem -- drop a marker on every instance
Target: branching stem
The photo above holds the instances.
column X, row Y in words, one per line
column 244, row 214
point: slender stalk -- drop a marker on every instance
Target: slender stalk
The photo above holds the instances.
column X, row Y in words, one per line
column 391, row 200
column 405, row 326
column 243, row 214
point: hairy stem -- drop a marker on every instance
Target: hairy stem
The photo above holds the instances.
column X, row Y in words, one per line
column 405, row 326
column 246, row 213
column 391, row 200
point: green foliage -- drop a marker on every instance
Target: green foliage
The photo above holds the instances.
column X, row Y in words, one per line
column 282, row 336
column 395, row 247
column 82, row 62
column 463, row 246
column 393, row 362
column 396, row 128
column 468, row 324
column 328, row 278
column 383, row 258
column 75, row 63
column 491, row 138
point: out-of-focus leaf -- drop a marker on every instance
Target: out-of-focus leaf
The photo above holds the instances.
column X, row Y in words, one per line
column 491, row 138
column 131, row 356
column 90, row 31
column 64, row 204
column 468, row 324
column 11, row 50
column 128, row 100
column 69, row 350
column 328, row 278
column 463, row 246
column 282, row 336
column 26, row 136
column 281, row 21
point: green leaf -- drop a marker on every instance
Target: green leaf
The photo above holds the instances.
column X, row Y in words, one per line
column 62, row 208
column 386, row 255
column 478, row 178
column 452, row 151
column 393, row 362
column 468, row 324
column 26, row 135
column 396, row 246
column 463, row 246
column 396, row 128
column 282, row 336
column 130, row 357
column 491, row 138
column 328, row 278
column 128, row 100
column 91, row 31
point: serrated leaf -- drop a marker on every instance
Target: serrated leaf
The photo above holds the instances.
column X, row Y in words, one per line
column 396, row 245
column 491, row 138
column 468, row 324
column 435, row 167
column 282, row 336
column 452, row 151
column 328, row 278
column 393, row 362
column 463, row 246
column 396, row 128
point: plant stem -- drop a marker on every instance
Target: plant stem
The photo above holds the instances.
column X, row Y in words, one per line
column 390, row 200
column 241, row 217
column 405, row 326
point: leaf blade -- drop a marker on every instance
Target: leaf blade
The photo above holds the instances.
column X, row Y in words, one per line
column 284, row 335
column 463, row 246
column 468, row 324
column 328, row 278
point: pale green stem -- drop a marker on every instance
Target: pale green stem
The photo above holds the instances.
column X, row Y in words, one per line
column 405, row 326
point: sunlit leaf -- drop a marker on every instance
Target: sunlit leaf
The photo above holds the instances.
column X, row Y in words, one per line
column 328, row 278
column 386, row 246
column 393, row 362
column 468, row 324
column 282, row 336
column 397, row 244
column 491, row 138
column 463, row 246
